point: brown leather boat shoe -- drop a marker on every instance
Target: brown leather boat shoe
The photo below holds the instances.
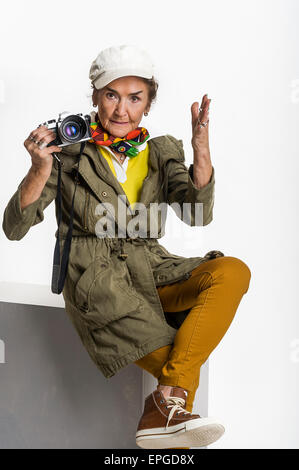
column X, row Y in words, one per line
column 166, row 424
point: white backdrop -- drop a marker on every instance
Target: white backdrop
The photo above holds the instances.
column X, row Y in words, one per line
column 245, row 56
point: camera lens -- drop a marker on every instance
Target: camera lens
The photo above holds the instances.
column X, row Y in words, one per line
column 73, row 128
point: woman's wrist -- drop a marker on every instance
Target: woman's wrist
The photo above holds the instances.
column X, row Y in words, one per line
column 32, row 186
column 40, row 172
column 201, row 177
column 202, row 168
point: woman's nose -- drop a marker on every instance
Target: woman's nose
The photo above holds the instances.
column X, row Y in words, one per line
column 121, row 108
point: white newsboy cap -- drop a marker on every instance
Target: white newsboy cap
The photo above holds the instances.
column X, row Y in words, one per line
column 120, row 61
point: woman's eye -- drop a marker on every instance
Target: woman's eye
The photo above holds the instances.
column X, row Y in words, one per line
column 135, row 98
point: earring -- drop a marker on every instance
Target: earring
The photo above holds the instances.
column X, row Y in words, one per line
column 146, row 114
column 94, row 105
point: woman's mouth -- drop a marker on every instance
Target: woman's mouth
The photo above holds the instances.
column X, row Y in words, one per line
column 120, row 123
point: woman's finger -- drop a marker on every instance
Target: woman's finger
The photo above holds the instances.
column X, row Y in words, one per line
column 41, row 140
column 204, row 101
column 47, row 136
column 54, row 148
column 37, row 130
column 200, row 113
column 204, row 114
column 194, row 113
column 45, row 140
column 202, row 107
column 41, row 133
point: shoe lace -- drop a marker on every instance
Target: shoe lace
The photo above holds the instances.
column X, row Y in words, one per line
column 176, row 404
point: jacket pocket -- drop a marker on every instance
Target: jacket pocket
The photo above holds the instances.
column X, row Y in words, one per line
column 104, row 294
column 161, row 251
column 70, row 180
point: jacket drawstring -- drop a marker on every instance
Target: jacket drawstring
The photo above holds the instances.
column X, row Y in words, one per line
column 118, row 245
column 122, row 254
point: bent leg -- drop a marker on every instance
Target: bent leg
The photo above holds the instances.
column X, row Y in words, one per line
column 213, row 292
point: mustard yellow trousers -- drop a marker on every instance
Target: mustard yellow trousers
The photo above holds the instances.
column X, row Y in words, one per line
column 212, row 293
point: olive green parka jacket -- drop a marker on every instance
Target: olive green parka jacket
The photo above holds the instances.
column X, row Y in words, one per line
column 110, row 289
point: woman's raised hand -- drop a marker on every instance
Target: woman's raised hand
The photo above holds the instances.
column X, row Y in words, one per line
column 202, row 170
column 200, row 126
column 36, row 145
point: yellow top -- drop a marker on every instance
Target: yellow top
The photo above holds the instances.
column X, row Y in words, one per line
column 136, row 172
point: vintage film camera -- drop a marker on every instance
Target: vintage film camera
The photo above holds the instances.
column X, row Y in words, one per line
column 70, row 129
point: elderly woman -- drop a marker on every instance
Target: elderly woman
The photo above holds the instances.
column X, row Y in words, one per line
column 130, row 299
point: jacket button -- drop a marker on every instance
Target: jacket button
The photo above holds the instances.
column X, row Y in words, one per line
column 56, row 164
column 104, row 193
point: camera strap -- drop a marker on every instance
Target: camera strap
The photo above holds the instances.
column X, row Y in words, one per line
column 60, row 266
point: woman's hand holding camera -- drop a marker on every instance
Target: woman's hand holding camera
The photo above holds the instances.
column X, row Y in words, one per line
column 36, row 144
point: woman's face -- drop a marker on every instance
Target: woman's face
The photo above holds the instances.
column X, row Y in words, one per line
column 121, row 104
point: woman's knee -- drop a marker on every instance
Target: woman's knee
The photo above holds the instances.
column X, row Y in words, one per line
column 237, row 271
